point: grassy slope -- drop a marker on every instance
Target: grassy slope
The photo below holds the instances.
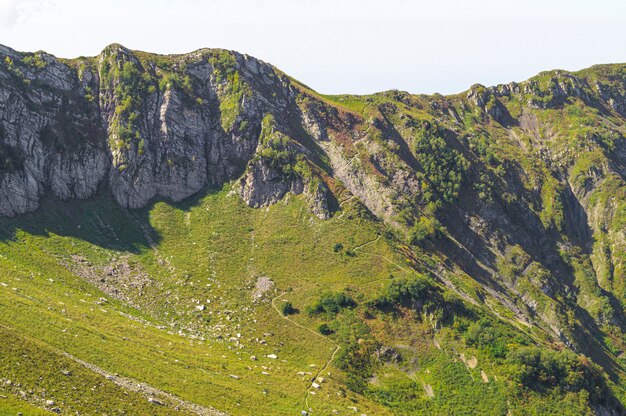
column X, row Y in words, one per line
column 210, row 251
column 216, row 241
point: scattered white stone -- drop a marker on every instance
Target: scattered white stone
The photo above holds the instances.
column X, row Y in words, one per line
column 272, row 356
column 484, row 376
column 155, row 401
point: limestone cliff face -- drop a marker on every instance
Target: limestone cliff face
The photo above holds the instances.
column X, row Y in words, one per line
column 145, row 126
column 52, row 140
column 117, row 121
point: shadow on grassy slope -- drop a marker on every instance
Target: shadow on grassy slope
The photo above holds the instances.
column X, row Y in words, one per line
column 99, row 220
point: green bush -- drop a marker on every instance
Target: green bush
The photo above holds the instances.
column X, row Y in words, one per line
column 331, row 303
column 277, row 151
column 444, row 167
column 324, row 329
column 356, row 359
column 130, row 86
column 287, row 309
column 416, row 293
column 423, row 229
column 483, row 147
column 224, row 64
column 540, row 369
column 35, row 61
column 485, row 336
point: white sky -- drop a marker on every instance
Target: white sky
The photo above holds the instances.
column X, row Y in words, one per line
column 342, row 46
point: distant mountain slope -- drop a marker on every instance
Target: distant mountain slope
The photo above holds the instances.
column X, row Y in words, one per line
column 465, row 247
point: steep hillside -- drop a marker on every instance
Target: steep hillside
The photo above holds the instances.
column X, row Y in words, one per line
column 202, row 234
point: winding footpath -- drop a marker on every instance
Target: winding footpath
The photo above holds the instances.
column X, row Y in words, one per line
column 317, row 334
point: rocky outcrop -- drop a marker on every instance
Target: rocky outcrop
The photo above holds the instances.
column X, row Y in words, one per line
column 50, row 134
column 261, row 186
column 118, row 121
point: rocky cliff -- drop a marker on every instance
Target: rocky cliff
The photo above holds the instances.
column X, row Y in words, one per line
column 138, row 128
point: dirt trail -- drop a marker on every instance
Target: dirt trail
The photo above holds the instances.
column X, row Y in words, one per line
column 360, row 246
column 381, row 256
column 308, row 390
column 317, row 334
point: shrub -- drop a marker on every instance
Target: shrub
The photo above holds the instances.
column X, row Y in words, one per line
column 545, row 369
column 287, row 309
column 415, row 293
column 331, row 303
column 35, row 61
column 444, row 167
column 278, row 156
column 130, row 86
column 356, row 359
column 485, row 336
column 337, row 247
column 423, row 229
column 324, row 329
column 224, row 64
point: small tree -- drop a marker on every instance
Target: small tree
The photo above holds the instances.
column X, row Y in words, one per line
column 423, row 229
column 331, row 303
column 324, row 329
column 287, row 309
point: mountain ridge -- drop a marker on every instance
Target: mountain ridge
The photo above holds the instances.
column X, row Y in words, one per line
column 510, row 197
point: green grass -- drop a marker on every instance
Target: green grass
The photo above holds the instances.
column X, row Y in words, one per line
column 33, row 370
column 213, row 248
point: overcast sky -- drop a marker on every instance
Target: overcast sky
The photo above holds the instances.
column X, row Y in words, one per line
column 342, row 46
